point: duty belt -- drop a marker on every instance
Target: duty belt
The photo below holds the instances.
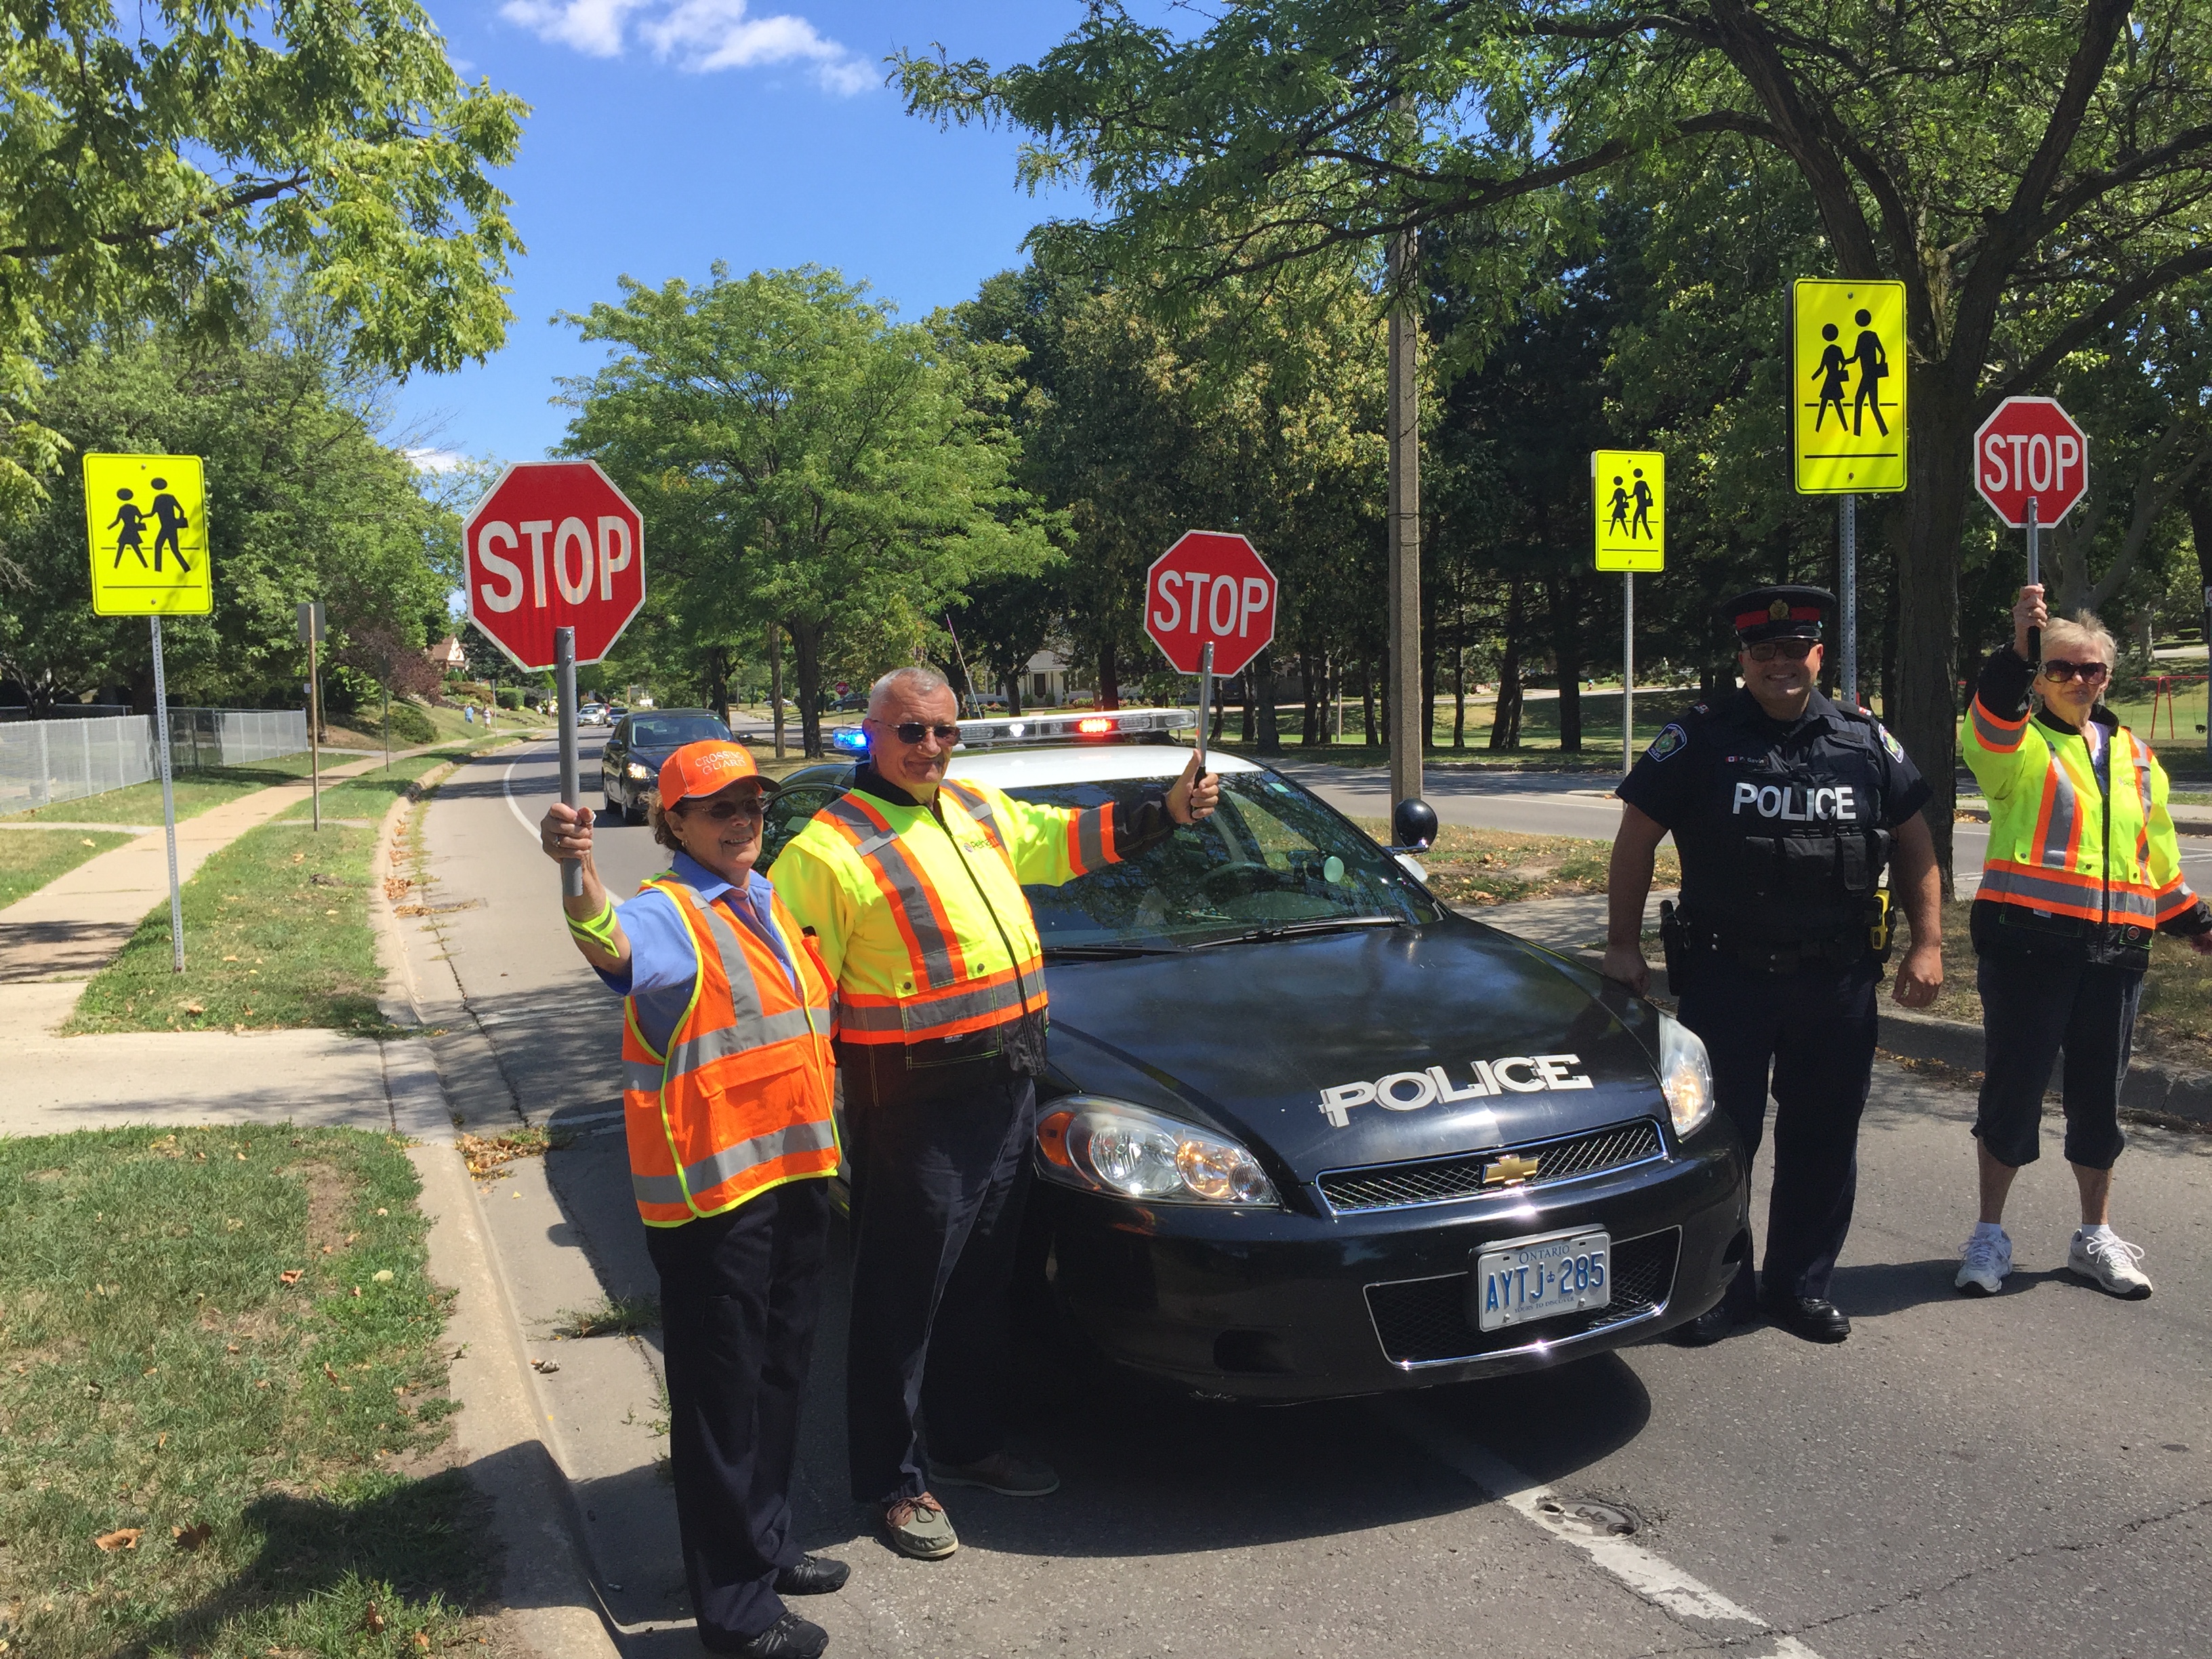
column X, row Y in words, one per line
column 1843, row 951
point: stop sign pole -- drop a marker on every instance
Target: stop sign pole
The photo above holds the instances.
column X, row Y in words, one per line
column 2032, row 466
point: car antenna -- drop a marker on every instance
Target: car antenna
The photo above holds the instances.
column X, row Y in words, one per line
column 975, row 702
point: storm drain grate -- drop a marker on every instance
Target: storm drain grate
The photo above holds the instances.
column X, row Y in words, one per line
column 1433, row 1181
column 1422, row 1321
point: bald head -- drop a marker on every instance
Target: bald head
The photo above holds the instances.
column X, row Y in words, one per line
column 914, row 683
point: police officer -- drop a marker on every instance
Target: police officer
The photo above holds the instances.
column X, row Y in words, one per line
column 1784, row 807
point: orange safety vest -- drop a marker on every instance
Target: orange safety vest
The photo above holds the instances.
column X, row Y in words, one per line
column 948, row 999
column 744, row 1098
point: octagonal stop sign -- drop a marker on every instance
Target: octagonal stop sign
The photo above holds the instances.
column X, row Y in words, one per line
column 1210, row 588
column 554, row 544
column 2031, row 448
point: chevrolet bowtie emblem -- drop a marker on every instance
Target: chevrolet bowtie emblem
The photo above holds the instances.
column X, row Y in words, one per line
column 1509, row 1171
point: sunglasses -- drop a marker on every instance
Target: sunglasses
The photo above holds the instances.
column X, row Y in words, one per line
column 914, row 731
column 722, row 811
column 2058, row 668
column 1768, row 650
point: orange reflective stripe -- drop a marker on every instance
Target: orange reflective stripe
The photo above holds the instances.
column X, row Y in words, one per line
column 1999, row 737
column 977, row 1006
column 932, row 942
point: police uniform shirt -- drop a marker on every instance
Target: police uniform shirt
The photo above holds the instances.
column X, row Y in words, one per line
column 1781, row 826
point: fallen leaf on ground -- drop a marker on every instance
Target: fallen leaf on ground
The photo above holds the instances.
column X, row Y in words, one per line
column 356, row 1290
column 191, row 1537
column 123, row 1538
column 291, row 1275
column 421, row 1643
column 371, row 1620
column 546, row 1366
column 328, row 1372
column 200, row 1008
column 160, row 1440
column 384, row 1275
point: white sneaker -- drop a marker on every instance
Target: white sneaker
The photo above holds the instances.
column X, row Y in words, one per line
column 1983, row 1262
column 2108, row 1261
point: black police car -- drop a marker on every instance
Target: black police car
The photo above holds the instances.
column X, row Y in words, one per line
column 630, row 764
column 1308, row 1133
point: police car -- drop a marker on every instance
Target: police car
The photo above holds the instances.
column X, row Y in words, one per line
column 1306, row 1131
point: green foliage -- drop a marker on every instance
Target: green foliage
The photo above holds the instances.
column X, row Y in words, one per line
column 406, row 724
column 302, row 501
column 509, row 697
column 799, row 457
column 148, row 166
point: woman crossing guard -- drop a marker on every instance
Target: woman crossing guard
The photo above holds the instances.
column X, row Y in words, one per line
column 2083, row 866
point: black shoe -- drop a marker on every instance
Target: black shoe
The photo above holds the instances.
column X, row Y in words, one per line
column 1809, row 1317
column 789, row 1637
column 1707, row 1329
column 813, row 1575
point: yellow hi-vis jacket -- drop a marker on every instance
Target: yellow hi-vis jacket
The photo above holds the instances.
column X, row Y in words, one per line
column 2057, row 844
column 922, row 924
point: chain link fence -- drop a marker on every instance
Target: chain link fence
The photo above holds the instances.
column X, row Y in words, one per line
column 45, row 762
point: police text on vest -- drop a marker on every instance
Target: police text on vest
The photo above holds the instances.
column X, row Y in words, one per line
column 1793, row 803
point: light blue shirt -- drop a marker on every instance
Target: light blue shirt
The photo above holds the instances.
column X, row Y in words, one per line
column 663, row 962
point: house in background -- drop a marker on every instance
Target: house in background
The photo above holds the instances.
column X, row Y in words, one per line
column 446, row 656
column 1044, row 681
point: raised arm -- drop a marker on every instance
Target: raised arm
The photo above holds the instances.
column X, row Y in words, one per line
column 565, row 833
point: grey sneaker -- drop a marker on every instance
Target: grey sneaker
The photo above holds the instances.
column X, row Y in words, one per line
column 1001, row 1472
column 2108, row 1261
column 1984, row 1261
column 916, row 1527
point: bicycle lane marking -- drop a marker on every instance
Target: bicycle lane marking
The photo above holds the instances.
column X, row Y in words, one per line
column 1643, row 1572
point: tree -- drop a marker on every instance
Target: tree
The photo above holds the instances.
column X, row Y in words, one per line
column 2031, row 178
column 146, row 169
column 803, row 459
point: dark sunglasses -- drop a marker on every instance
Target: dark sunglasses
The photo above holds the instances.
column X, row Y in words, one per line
column 2058, row 668
column 1795, row 650
column 912, row 731
column 722, row 811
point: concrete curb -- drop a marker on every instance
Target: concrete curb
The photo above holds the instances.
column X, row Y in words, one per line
column 549, row 1595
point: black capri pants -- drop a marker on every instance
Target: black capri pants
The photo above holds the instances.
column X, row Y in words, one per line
column 2032, row 1007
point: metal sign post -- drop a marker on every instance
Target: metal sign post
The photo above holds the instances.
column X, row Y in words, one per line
column 1847, row 582
column 1627, row 671
column 1205, row 703
column 311, row 630
column 564, row 677
column 2034, row 576
column 168, row 801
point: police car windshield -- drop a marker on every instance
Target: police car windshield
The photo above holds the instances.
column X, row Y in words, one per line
column 672, row 731
column 1271, row 857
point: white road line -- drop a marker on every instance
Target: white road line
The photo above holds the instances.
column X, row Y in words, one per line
column 507, row 789
column 1650, row 1575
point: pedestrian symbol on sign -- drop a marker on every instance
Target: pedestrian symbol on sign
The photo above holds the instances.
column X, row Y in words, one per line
column 1632, row 508
column 1847, row 401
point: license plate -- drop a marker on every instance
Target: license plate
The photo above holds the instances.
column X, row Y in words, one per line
column 1541, row 1281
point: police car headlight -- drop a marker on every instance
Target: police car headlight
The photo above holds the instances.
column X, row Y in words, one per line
column 1109, row 1146
column 637, row 771
column 1686, row 1075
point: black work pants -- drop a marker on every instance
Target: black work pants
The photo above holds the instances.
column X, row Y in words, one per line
column 2034, row 1005
column 739, row 1295
column 1814, row 1031
column 938, row 1190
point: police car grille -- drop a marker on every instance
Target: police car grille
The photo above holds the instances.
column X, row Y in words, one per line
column 1423, row 1321
column 1433, row 1181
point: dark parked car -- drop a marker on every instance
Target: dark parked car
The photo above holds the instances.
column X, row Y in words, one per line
column 630, row 765
column 1306, row 1131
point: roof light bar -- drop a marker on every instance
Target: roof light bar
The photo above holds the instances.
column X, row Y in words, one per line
column 1001, row 732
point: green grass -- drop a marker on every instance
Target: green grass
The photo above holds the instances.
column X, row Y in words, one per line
column 274, row 1446
column 276, row 931
column 2174, row 1021
column 1477, row 867
column 29, row 858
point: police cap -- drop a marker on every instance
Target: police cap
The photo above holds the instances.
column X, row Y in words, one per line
column 1773, row 613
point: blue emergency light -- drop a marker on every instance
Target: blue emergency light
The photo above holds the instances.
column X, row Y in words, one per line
column 850, row 739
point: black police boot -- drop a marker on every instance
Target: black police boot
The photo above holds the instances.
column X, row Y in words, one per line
column 1812, row 1317
column 789, row 1637
column 1707, row 1329
column 813, row 1575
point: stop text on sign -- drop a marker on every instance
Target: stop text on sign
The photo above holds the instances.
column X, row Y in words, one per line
column 553, row 544
column 577, row 548
column 1211, row 588
column 2030, row 449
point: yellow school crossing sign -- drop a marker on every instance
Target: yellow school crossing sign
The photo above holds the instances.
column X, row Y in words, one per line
column 1847, row 386
column 146, row 518
column 1630, row 487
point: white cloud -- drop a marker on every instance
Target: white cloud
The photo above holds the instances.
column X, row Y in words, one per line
column 698, row 36
column 436, row 460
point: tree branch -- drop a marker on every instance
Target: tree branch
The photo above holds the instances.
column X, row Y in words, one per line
column 243, row 198
column 2120, row 302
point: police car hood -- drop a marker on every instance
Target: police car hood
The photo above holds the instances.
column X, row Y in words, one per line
column 1370, row 1046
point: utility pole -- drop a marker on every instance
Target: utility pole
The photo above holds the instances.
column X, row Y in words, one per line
column 1408, row 739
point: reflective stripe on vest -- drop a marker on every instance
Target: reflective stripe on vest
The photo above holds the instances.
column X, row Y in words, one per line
column 743, row 1100
column 947, row 1000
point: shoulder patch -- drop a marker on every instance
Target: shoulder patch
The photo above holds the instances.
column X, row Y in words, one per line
column 1671, row 740
column 1700, row 708
column 1896, row 749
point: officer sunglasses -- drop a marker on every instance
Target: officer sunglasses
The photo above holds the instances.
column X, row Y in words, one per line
column 912, row 730
column 722, row 808
column 2058, row 668
column 1796, row 650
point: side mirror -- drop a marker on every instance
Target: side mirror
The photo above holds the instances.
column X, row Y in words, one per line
column 1413, row 826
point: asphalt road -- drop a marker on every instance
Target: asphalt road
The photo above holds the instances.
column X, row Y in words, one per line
column 2029, row 1475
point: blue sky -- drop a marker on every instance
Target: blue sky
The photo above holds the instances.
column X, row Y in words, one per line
column 668, row 134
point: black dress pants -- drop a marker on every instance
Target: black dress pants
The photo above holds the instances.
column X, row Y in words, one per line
column 938, row 1190
column 739, row 1295
column 1814, row 1031
column 2034, row 1005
